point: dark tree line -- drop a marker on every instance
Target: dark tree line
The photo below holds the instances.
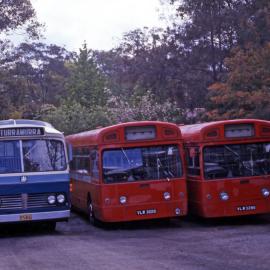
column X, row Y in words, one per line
column 210, row 63
column 181, row 62
column 32, row 74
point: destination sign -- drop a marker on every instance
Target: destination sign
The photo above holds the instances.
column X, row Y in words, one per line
column 240, row 130
column 21, row 132
column 140, row 133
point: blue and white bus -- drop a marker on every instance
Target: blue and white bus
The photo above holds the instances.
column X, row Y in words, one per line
column 34, row 178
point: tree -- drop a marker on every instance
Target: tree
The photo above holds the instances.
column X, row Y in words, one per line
column 142, row 107
column 86, row 84
column 253, row 23
column 46, row 67
column 35, row 75
column 15, row 14
column 153, row 60
column 246, row 91
column 83, row 107
column 204, row 29
column 72, row 117
column 5, row 106
column 210, row 31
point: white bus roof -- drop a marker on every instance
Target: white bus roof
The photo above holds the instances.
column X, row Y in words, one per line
column 11, row 123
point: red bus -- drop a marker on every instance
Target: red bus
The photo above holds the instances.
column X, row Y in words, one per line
column 129, row 171
column 228, row 167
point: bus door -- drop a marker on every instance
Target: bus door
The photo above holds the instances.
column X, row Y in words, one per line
column 85, row 168
column 194, row 182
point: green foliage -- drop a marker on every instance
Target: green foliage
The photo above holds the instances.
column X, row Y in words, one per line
column 16, row 14
column 86, row 85
column 83, row 108
column 33, row 75
column 71, row 117
column 154, row 74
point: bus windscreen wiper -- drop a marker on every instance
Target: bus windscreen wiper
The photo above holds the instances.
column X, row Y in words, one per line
column 166, row 171
column 239, row 159
column 126, row 156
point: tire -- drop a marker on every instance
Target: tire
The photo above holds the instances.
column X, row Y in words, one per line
column 91, row 215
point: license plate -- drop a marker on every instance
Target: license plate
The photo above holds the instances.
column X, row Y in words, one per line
column 246, row 208
column 25, row 217
column 146, row 212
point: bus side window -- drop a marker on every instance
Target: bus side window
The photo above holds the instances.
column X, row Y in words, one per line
column 69, row 151
column 9, row 157
column 72, row 163
column 83, row 162
column 80, row 161
column 193, row 160
column 94, row 163
column 77, row 159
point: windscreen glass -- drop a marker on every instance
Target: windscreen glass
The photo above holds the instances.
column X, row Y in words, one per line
column 10, row 161
column 141, row 163
column 236, row 160
column 43, row 155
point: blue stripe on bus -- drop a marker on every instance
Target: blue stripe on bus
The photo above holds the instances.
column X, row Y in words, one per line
column 31, row 179
column 34, row 188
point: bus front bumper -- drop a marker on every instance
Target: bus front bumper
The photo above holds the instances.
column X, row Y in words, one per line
column 230, row 209
column 142, row 211
column 36, row 216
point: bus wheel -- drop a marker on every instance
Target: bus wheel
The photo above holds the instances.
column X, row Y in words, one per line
column 91, row 216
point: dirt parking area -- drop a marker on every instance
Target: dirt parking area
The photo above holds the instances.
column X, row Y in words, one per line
column 190, row 243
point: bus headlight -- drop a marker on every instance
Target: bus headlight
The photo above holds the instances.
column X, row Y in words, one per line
column 224, row 196
column 177, row 211
column 166, row 195
column 51, row 199
column 60, row 198
column 265, row 192
column 123, row 199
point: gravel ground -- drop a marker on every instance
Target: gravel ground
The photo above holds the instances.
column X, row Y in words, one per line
column 190, row 243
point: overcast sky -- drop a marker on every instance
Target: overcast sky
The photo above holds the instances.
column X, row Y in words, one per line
column 100, row 22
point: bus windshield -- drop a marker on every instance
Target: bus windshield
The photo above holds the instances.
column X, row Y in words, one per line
column 141, row 163
column 38, row 156
column 43, row 155
column 236, row 160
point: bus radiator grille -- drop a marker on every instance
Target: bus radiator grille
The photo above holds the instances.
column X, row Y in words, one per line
column 25, row 201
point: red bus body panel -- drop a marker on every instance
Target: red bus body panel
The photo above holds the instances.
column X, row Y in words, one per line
column 144, row 198
column 241, row 195
column 245, row 193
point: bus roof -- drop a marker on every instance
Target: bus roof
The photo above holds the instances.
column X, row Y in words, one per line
column 212, row 131
column 25, row 123
column 116, row 133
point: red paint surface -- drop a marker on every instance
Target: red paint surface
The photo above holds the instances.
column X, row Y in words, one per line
column 204, row 195
column 141, row 195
